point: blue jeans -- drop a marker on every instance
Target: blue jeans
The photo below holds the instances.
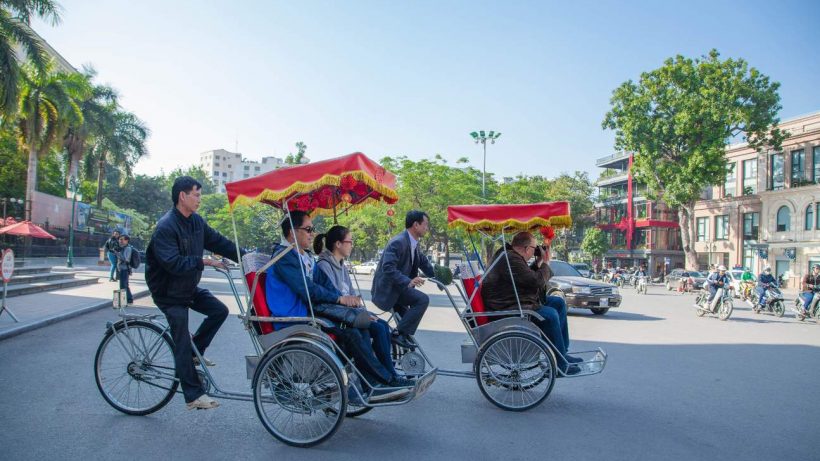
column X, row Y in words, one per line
column 761, row 293
column 551, row 326
column 112, row 258
column 379, row 334
column 807, row 298
column 560, row 306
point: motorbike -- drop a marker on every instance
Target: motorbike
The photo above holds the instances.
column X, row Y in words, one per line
column 772, row 302
column 747, row 293
column 641, row 285
column 722, row 304
column 813, row 310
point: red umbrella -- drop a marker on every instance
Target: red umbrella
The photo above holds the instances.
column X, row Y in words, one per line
column 27, row 228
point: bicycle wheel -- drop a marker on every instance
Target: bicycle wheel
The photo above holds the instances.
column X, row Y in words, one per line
column 299, row 395
column 515, row 371
column 725, row 309
column 134, row 368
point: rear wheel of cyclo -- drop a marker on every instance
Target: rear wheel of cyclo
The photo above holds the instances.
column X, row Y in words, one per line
column 134, row 369
column 725, row 309
column 515, row 371
column 299, row 395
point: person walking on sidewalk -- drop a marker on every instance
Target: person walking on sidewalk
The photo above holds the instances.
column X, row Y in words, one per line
column 112, row 247
column 173, row 268
column 124, row 265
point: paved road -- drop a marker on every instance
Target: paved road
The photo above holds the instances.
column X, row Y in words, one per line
column 677, row 387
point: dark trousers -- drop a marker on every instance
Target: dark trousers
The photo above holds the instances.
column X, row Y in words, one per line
column 411, row 305
column 356, row 343
column 205, row 303
column 124, row 285
column 551, row 326
column 560, row 306
column 379, row 334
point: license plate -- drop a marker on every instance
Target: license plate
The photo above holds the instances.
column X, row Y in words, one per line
column 604, row 302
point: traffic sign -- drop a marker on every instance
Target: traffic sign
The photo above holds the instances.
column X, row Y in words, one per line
column 7, row 264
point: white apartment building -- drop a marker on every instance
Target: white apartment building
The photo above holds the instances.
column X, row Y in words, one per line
column 224, row 166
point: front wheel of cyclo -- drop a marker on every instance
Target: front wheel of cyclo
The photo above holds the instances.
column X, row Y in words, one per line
column 299, row 394
column 515, row 371
column 134, row 368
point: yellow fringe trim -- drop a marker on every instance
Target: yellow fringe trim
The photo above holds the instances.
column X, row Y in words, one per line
column 299, row 187
column 512, row 224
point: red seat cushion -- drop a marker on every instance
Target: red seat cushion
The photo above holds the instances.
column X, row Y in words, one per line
column 260, row 304
column 477, row 304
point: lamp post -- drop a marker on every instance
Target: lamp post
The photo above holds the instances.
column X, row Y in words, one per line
column 482, row 137
column 72, row 184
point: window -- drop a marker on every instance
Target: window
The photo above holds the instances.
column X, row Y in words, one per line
column 721, row 227
column 750, row 176
column 751, row 226
column 749, row 259
column 730, row 185
column 246, row 167
column 224, row 175
column 777, row 179
column 810, row 217
column 817, row 214
column 703, row 225
column 798, row 168
column 783, row 218
column 816, row 162
column 216, row 163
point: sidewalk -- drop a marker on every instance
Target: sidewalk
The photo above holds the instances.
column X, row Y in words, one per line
column 41, row 309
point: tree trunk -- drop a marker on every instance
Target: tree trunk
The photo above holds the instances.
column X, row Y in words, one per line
column 685, row 214
column 100, row 175
column 31, row 180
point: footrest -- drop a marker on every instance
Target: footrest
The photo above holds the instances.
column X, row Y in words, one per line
column 593, row 364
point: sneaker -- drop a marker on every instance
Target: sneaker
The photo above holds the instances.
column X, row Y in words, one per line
column 401, row 382
column 203, row 403
column 572, row 359
column 402, row 340
column 208, row 362
column 572, row 370
column 380, row 394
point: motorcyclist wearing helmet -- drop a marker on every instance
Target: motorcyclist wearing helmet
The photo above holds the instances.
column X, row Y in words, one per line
column 717, row 280
column 765, row 281
column 811, row 285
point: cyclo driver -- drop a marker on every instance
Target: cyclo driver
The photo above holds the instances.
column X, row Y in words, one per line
column 811, row 286
column 716, row 280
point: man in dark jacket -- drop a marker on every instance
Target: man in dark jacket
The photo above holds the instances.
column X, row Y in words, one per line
column 173, row 268
column 498, row 293
column 397, row 276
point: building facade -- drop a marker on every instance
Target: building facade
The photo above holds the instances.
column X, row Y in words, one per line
column 640, row 231
column 223, row 166
column 767, row 212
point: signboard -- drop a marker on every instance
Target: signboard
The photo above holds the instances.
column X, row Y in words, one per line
column 8, row 265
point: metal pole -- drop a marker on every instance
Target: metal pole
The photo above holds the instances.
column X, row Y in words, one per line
column 3, row 308
column 70, row 262
column 484, row 172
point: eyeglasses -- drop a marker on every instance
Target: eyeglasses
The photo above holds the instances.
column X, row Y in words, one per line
column 309, row 229
column 348, row 241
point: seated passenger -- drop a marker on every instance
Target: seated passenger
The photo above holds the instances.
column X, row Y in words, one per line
column 531, row 282
column 333, row 248
column 288, row 292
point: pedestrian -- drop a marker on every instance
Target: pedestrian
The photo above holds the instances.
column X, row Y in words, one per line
column 124, row 268
column 112, row 247
column 397, row 277
column 173, row 268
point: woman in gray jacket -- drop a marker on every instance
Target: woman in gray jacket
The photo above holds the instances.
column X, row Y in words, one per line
column 333, row 248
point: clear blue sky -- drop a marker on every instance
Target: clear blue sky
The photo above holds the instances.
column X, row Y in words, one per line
column 413, row 78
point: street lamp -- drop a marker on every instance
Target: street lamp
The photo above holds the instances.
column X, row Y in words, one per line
column 6, row 201
column 482, row 137
column 72, row 184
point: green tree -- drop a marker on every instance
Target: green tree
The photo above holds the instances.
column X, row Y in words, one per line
column 15, row 17
column 678, row 119
column 195, row 172
column 595, row 244
column 296, row 159
column 13, row 161
column 122, row 144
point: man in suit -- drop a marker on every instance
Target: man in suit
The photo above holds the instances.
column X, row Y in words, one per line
column 397, row 276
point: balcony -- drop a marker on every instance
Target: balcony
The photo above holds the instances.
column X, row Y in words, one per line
column 614, row 179
column 611, row 160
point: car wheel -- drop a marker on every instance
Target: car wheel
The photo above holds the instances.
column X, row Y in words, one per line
column 599, row 310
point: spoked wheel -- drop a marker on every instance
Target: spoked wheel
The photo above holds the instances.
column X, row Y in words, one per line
column 353, row 409
column 299, row 395
column 725, row 309
column 515, row 371
column 134, row 369
column 778, row 308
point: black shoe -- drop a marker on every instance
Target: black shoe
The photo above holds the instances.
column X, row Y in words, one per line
column 572, row 370
column 401, row 340
column 380, row 394
column 401, row 382
column 572, row 359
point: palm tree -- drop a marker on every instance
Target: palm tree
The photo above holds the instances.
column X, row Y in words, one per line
column 15, row 17
column 122, row 145
column 98, row 113
column 48, row 105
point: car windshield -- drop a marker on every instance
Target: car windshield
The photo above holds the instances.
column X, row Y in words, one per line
column 737, row 274
column 561, row 268
column 696, row 274
column 580, row 266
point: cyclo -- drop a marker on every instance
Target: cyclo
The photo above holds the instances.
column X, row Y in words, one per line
column 299, row 375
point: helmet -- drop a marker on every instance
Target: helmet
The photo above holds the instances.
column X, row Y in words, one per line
column 722, row 268
column 816, row 266
column 767, row 269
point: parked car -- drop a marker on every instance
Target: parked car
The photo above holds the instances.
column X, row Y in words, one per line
column 367, row 267
column 673, row 278
column 581, row 292
column 583, row 269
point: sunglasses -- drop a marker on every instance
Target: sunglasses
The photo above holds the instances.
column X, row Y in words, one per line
column 309, row 229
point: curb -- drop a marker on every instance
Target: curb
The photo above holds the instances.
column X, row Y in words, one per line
column 40, row 323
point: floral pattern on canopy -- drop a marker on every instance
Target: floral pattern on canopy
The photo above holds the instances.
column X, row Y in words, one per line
column 320, row 187
column 509, row 218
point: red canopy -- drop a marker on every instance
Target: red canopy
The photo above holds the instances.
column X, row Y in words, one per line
column 496, row 218
column 27, row 228
column 349, row 180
